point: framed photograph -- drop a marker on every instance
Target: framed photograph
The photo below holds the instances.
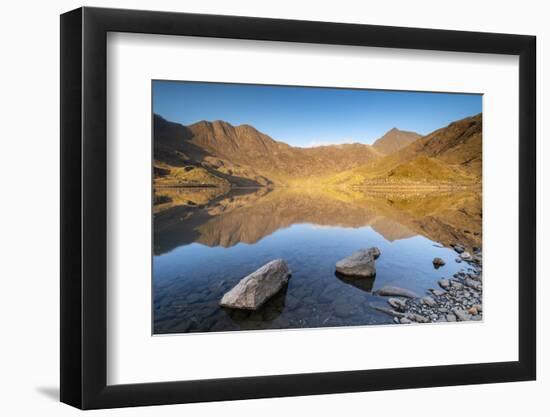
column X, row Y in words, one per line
column 257, row 207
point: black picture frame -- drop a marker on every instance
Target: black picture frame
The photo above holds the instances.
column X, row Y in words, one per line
column 84, row 207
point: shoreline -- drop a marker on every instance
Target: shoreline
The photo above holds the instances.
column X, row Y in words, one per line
column 458, row 298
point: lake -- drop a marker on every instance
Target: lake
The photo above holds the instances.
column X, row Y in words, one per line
column 206, row 240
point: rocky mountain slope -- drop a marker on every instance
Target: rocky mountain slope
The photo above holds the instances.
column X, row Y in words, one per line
column 241, row 155
column 218, row 154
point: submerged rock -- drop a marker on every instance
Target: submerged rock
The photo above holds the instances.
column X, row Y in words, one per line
column 359, row 264
column 397, row 291
column 397, row 303
column 388, row 311
column 255, row 289
column 438, row 262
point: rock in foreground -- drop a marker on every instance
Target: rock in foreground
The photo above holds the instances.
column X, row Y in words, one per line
column 360, row 264
column 255, row 289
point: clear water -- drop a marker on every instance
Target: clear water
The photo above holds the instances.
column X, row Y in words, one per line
column 203, row 250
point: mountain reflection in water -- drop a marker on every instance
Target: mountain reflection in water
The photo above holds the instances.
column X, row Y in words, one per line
column 206, row 240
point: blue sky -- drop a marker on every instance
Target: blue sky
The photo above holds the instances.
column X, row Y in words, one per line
column 306, row 116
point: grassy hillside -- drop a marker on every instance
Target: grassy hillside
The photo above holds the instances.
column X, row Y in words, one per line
column 448, row 156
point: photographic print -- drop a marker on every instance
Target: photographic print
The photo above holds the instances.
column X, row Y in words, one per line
column 287, row 207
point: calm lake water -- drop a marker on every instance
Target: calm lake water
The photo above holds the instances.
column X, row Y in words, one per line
column 205, row 242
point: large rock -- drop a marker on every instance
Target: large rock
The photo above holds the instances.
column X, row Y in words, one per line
column 359, row 264
column 396, row 291
column 255, row 289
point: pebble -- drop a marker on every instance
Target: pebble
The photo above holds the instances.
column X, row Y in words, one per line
column 397, row 303
column 459, row 298
column 444, row 283
column 461, row 315
column 429, row 301
column 458, row 248
column 450, row 317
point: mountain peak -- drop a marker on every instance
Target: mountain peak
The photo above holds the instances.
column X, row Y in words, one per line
column 394, row 140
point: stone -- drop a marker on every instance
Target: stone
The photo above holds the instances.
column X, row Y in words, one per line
column 465, row 256
column 255, row 289
column 396, row 291
column 473, row 284
column 418, row 318
column 458, row 260
column 444, row 283
column 456, row 285
column 472, row 311
column 388, row 311
column 450, row 317
column 458, row 248
column 429, row 301
column 404, row 320
column 397, row 303
column 359, row 264
column 478, row 307
column 461, row 315
column 438, row 262
column 438, row 293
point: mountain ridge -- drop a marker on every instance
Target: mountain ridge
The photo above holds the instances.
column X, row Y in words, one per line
column 217, row 153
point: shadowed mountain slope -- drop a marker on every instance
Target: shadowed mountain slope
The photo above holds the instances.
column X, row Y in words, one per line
column 241, row 153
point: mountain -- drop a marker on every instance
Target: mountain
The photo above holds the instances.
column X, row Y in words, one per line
column 218, row 154
column 394, row 140
column 242, row 155
column 450, row 155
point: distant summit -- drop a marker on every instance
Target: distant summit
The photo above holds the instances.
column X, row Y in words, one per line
column 394, row 140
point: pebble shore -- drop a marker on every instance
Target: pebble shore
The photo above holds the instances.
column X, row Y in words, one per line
column 458, row 298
